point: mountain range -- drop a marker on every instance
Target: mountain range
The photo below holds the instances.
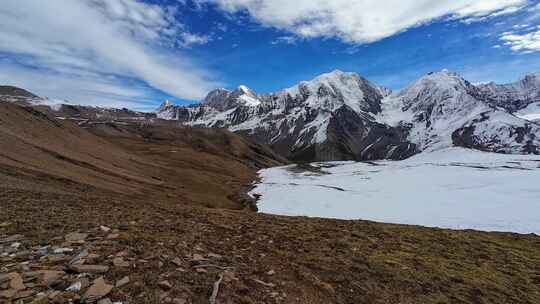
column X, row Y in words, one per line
column 343, row 116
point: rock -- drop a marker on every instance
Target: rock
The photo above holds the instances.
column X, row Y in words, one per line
column 214, row 256
column 24, row 294
column 53, row 295
column 16, row 282
column 105, row 301
column 93, row 256
column 122, row 253
column 123, row 281
column 201, row 270
column 271, row 272
column 263, row 283
column 165, row 285
column 4, row 224
column 16, row 245
column 11, row 239
column 79, row 258
column 198, row 258
column 75, row 287
column 119, row 262
column 4, row 278
column 98, row 290
column 41, row 298
column 55, row 259
column 50, row 277
column 76, row 237
column 89, row 268
column 113, row 236
column 228, row 276
column 179, row 301
column 177, row 262
column 62, row 250
column 104, row 228
column 7, row 294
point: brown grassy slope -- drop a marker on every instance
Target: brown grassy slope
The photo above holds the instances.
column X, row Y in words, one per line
column 146, row 181
column 207, row 167
column 314, row 260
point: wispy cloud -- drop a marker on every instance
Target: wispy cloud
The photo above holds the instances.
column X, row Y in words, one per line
column 527, row 42
column 285, row 40
column 362, row 21
column 97, row 49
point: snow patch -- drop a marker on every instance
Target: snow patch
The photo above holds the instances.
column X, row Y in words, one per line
column 452, row 188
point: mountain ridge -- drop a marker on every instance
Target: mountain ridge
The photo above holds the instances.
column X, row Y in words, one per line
column 343, row 116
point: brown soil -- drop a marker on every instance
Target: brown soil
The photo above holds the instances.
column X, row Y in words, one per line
column 152, row 185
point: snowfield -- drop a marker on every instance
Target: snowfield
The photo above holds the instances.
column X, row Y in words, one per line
column 452, row 188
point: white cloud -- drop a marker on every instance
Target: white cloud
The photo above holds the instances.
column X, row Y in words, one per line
column 284, row 40
column 189, row 39
column 361, row 21
column 522, row 42
column 91, row 40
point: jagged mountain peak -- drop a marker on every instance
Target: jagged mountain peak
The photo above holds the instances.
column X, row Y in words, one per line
column 244, row 89
column 167, row 104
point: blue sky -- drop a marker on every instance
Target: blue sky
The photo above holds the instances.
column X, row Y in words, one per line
column 135, row 54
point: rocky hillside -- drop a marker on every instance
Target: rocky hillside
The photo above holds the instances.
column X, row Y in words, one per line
column 342, row 116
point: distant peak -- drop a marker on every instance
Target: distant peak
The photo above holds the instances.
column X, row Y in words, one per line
column 243, row 88
column 443, row 74
column 164, row 106
column 167, row 103
column 337, row 73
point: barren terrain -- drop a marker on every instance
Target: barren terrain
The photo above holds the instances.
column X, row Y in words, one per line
column 160, row 213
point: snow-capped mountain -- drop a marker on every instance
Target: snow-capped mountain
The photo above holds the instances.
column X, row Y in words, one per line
column 341, row 116
column 513, row 96
column 330, row 117
column 442, row 109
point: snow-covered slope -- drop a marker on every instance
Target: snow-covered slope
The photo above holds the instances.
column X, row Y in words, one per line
column 327, row 118
column 451, row 188
column 442, row 109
